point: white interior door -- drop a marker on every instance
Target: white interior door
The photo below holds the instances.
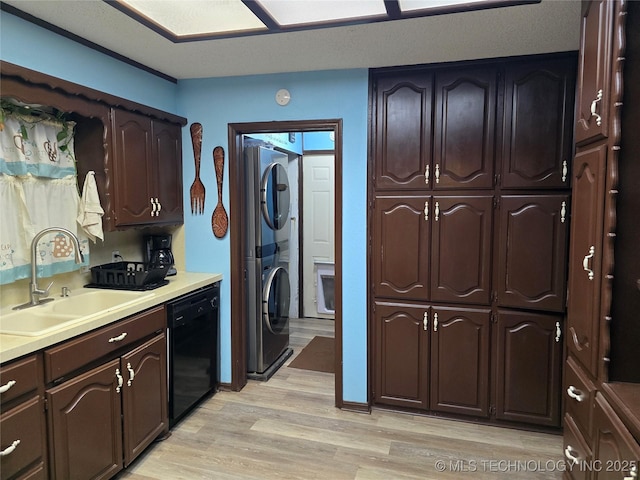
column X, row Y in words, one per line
column 294, row 247
column 318, row 173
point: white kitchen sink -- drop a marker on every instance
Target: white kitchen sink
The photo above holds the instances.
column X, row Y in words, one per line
column 62, row 312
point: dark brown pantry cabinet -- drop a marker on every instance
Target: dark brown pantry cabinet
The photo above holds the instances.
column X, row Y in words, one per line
column 469, row 231
column 602, row 375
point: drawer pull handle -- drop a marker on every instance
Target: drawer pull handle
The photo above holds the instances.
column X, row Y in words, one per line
column 576, row 394
column 426, row 210
column 633, row 473
column 10, row 448
column 585, row 262
column 571, row 455
column 437, row 173
column 425, row 321
column 119, row 338
column 120, row 380
column 131, row 374
column 7, row 386
column 435, row 322
column 426, row 175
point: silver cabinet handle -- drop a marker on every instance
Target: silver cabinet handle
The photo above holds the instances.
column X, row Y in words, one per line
column 594, row 107
column 120, row 380
column 563, row 212
column 576, row 394
column 565, row 170
column 425, row 321
column 437, row 211
column 131, row 374
column 558, row 332
column 10, row 448
column 159, row 206
column 426, row 210
column 633, row 473
column 119, row 338
column 437, row 173
column 435, row 322
column 7, row 386
column 153, row 207
column 426, row 175
column 571, row 456
column 585, row 262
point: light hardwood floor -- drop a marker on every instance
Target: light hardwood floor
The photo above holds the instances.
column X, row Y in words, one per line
column 288, row 428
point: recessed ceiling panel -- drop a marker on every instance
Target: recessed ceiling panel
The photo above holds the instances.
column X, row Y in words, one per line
column 419, row 5
column 304, row 12
column 197, row 17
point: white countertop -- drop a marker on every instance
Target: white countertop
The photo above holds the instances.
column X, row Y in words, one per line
column 14, row 346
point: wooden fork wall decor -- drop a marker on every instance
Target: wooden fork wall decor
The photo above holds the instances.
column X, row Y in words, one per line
column 197, row 188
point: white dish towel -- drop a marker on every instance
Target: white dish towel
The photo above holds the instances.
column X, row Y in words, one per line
column 90, row 211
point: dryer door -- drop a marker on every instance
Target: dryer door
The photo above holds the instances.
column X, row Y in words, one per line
column 275, row 196
column 276, row 296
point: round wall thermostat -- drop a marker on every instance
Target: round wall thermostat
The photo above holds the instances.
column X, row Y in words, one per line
column 283, row 96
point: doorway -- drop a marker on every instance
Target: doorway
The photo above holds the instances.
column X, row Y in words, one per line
column 238, row 235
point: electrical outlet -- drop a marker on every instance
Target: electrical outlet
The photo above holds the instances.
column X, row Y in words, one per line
column 115, row 256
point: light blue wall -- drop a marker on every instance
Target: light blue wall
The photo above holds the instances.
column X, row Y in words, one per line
column 215, row 103
column 314, row 95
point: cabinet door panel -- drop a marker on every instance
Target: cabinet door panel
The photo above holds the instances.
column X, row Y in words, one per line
column 403, row 131
column 460, row 361
column 401, row 355
column 529, row 367
column 401, row 247
column 594, row 67
column 464, row 129
column 132, row 150
column 532, row 251
column 538, row 123
column 613, row 444
column 461, row 249
column 585, row 255
column 144, row 396
column 85, row 419
column 167, row 149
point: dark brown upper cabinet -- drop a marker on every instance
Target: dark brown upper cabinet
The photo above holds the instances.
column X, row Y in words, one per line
column 529, row 367
column 594, row 71
column 402, row 354
column 585, row 263
column 532, row 251
column 464, row 128
column 401, row 247
column 538, row 120
column 461, row 248
column 460, row 360
column 403, row 131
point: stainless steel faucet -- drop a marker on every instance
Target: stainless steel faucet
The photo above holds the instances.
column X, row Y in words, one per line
column 36, row 295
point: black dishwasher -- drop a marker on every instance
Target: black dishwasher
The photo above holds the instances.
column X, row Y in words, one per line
column 193, row 349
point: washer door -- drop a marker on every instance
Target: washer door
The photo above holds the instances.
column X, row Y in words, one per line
column 274, row 198
column 276, row 296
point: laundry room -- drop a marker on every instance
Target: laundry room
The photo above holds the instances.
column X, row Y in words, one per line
column 289, row 250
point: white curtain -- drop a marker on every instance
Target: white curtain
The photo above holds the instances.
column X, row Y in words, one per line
column 38, row 189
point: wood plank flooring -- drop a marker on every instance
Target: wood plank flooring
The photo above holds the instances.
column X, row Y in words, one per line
column 288, row 428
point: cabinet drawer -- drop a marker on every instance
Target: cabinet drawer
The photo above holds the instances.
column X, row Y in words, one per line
column 18, row 378
column 76, row 353
column 579, row 393
column 23, row 424
column 577, row 454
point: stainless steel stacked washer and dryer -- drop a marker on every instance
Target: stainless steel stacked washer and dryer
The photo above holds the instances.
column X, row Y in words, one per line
column 267, row 259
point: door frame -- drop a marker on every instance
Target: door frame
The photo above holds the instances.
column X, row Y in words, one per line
column 237, row 237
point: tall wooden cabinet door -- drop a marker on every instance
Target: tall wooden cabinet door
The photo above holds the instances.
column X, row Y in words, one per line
column 461, row 249
column 613, row 445
column 464, row 128
column 403, row 131
column 532, row 251
column 538, row 124
column 144, row 396
column 167, row 149
column 402, row 354
column 585, row 255
column 400, row 244
column 135, row 179
column 529, row 367
column 594, row 71
column 85, row 420
column 460, row 360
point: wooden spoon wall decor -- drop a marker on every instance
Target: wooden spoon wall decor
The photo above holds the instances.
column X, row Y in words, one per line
column 219, row 219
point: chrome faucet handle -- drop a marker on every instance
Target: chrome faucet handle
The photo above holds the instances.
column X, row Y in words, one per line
column 45, row 293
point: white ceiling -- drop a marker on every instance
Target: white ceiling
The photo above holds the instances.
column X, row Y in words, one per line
column 549, row 26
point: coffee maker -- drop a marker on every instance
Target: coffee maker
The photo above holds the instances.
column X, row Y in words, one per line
column 157, row 252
